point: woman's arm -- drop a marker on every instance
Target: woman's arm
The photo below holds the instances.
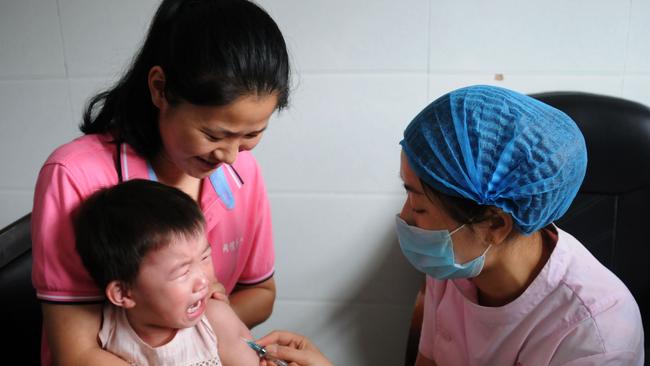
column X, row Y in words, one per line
column 72, row 331
column 230, row 331
column 254, row 304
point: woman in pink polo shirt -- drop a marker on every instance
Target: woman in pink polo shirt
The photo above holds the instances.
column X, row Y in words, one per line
column 487, row 171
column 197, row 97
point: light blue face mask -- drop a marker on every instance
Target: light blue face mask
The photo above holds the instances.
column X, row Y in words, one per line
column 432, row 252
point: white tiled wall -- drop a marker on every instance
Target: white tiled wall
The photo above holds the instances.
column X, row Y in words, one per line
column 554, row 36
column 363, row 70
column 100, row 37
column 30, row 40
column 354, row 36
column 341, row 132
column 638, row 46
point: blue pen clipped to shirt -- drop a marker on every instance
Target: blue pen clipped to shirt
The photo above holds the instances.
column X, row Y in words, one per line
column 261, row 351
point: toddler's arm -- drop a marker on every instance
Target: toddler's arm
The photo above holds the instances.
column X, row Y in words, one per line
column 229, row 330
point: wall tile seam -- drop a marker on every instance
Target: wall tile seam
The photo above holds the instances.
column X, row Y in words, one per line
column 14, row 189
column 97, row 75
column 644, row 74
column 486, row 72
column 429, row 34
column 279, row 301
column 360, row 72
column 31, row 78
column 529, row 72
column 63, row 48
column 382, row 72
column 518, row 73
column 626, row 49
column 337, row 194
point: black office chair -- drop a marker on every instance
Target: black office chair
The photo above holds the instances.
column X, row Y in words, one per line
column 20, row 312
column 611, row 213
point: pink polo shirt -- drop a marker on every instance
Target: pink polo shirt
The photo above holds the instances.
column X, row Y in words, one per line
column 575, row 312
column 233, row 200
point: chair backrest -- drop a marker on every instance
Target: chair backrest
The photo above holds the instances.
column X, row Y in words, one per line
column 19, row 309
column 610, row 213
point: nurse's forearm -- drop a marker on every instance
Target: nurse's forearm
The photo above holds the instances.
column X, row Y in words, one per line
column 254, row 304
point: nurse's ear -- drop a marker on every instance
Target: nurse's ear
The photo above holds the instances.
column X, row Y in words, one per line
column 499, row 226
column 119, row 294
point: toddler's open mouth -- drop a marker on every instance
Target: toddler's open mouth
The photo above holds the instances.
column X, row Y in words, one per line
column 195, row 307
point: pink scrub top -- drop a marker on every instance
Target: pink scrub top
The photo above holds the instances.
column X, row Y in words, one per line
column 233, row 200
column 575, row 312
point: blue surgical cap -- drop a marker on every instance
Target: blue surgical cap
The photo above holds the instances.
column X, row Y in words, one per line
column 499, row 148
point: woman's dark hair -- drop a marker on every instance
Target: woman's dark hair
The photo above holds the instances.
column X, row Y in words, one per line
column 211, row 51
column 460, row 209
column 115, row 227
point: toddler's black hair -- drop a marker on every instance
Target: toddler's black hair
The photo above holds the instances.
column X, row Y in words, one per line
column 115, row 227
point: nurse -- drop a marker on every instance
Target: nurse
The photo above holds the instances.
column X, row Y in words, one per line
column 487, row 171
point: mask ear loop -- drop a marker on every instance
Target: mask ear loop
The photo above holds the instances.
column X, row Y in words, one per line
column 457, row 229
column 486, row 250
column 469, row 222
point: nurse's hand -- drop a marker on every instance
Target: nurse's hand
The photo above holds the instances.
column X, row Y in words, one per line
column 297, row 350
column 219, row 292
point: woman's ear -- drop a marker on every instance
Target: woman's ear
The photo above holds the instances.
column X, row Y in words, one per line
column 500, row 226
column 119, row 294
column 156, row 82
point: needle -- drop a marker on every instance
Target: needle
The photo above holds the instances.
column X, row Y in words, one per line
column 261, row 351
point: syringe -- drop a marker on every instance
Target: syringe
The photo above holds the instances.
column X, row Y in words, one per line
column 261, row 351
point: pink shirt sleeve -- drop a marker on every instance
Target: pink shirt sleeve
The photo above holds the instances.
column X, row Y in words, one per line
column 428, row 321
column 260, row 264
column 58, row 273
